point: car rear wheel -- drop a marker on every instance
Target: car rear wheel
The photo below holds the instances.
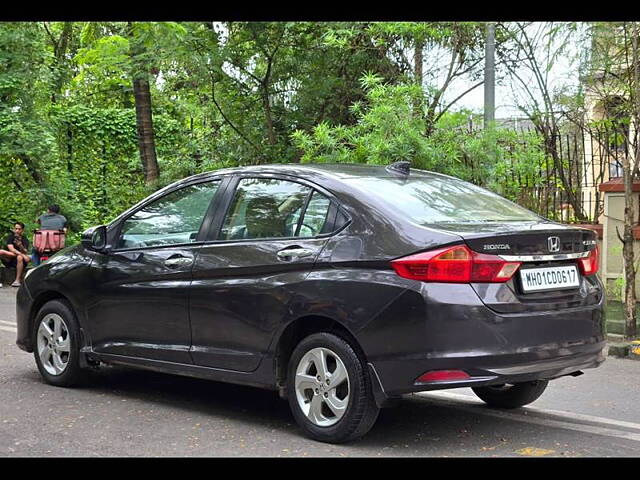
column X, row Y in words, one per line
column 329, row 389
column 56, row 340
column 511, row 395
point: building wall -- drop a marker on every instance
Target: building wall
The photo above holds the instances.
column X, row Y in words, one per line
column 612, row 262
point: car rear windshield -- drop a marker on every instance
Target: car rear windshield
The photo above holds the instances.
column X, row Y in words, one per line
column 436, row 199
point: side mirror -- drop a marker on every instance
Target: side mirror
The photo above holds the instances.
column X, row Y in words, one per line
column 95, row 238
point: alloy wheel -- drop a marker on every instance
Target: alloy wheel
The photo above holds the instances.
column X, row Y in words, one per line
column 54, row 345
column 322, row 387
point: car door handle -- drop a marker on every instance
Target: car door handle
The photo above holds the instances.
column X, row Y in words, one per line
column 289, row 254
column 175, row 262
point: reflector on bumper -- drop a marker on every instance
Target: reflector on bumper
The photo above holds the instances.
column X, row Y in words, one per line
column 442, row 376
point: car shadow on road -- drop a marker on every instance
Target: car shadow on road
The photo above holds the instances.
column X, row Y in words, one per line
column 417, row 421
column 193, row 394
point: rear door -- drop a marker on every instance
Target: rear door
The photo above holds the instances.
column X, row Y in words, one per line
column 246, row 275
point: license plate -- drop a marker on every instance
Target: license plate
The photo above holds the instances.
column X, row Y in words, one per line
column 549, row 278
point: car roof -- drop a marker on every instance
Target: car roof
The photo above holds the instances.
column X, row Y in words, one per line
column 334, row 170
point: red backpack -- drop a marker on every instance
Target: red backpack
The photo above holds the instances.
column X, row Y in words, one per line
column 48, row 240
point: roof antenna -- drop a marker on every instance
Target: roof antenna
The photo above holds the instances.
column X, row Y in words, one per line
column 402, row 167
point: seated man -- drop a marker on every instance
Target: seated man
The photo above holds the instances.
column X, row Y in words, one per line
column 263, row 219
column 15, row 255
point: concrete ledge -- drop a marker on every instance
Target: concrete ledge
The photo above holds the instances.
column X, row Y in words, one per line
column 7, row 275
column 619, row 350
column 618, row 347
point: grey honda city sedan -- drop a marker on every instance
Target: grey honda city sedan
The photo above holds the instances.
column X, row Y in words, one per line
column 341, row 287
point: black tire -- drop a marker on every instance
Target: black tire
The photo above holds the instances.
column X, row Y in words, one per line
column 72, row 374
column 361, row 411
column 511, row 396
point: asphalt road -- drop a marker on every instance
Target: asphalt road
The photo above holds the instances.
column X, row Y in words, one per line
column 125, row 412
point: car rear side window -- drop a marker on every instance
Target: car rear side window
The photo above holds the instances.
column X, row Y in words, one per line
column 172, row 219
column 315, row 215
column 272, row 208
column 439, row 199
column 264, row 208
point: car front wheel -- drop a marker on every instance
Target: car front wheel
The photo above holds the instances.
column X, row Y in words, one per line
column 329, row 389
column 511, row 395
column 57, row 344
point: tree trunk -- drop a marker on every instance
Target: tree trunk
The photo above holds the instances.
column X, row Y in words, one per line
column 627, row 254
column 69, row 149
column 269, row 118
column 418, row 74
column 144, row 124
column 265, row 84
column 60, row 67
column 142, row 97
column 33, row 167
column 629, row 217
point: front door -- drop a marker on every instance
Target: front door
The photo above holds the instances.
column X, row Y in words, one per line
column 142, row 286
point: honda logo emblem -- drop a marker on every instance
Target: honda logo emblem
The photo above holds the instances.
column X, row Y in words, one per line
column 554, row 244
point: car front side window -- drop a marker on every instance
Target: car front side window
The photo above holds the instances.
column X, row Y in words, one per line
column 172, row 219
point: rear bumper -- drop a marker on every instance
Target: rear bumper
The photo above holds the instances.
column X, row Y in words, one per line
column 457, row 332
column 398, row 377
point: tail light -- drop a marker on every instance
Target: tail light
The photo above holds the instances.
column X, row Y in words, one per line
column 456, row 264
column 589, row 265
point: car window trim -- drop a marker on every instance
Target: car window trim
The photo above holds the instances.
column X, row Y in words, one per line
column 212, row 214
column 158, row 247
column 303, row 212
column 270, row 239
column 332, row 215
column 122, row 220
column 214, row 232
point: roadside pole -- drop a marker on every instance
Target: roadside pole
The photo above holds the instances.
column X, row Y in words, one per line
column 489, row 76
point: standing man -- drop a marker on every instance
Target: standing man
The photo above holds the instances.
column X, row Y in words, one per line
column 52, row 220
column 15, row 255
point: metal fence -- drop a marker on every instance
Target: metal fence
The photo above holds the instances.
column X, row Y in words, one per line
column 564, row 186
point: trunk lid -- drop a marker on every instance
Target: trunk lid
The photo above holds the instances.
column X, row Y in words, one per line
column 536, row 245
column 522, row 238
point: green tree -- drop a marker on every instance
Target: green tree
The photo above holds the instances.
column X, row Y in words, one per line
column 387, row 131
column 615, row 80
column 26, row 142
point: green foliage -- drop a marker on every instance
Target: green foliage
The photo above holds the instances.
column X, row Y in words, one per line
column 26, row 141
column 225, row 94
column 102, row 78
column 99, row 159
column 387, row 131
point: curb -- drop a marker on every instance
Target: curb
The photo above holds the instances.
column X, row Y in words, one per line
column 624, row 349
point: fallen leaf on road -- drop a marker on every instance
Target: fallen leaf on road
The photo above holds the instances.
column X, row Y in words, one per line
column 534, row 452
